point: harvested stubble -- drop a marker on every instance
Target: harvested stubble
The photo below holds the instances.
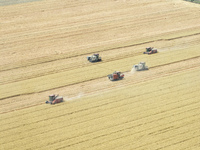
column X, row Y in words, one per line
column 143, row 112
column 65, row 78
column 46, row 48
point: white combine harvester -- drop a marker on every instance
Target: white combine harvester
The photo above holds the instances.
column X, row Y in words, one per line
column 94, row 58
column 141, row 66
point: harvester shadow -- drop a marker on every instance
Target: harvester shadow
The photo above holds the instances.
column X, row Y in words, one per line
column 96, row 61
column 142, row 70
column 116, row 80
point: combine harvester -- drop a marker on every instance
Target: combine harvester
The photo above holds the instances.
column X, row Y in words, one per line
column 94, row 58
column 140, row 67
column 54, row 99
column 115, row 76
column 150, row 50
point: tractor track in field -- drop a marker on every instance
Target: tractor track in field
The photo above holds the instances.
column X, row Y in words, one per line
column 41, row 51
column 144, row 79
column 79, row 26
column 197, row 65
column 125, row 128
column 77, row 22
column 84, row 110
column 106, row 103
column 61, row 69
column 76, row 66
column 52, row 130
column 88, row 133
column 97, row 105
column 83, row 64
column 79, row 116
column 93, row 107
column 108, row 134
column 47, row 61
column 120, row 124
column 164, row 139
column 115, row 87
column 26, row 63
column 97, row 137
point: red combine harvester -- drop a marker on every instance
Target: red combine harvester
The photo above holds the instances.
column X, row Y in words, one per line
column 54, row 99
column 115, row 76
column 150, row 50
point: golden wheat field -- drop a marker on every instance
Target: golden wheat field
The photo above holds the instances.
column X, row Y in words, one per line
column 44, row 46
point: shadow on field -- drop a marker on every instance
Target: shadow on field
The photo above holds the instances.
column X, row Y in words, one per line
column 194, row 1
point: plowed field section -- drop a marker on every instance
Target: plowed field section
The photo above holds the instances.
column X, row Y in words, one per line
column 43, row 47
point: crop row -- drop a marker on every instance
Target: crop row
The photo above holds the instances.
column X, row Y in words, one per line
column 128, row 99
column 119, row 44
column 34, row 124
column 58, row 33
column 75, row 121
column 67, row 64
column 154, row 73
column 94, row 129
column 191, row 65
column 89, row 73
column 191, row 76
column 153, row 112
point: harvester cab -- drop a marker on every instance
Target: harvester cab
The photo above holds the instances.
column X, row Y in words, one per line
column 115, row 76
column 94, row 58
column 141, row 66
column 150, row 50
column 53, row 99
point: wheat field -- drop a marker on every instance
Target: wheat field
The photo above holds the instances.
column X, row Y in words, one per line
column 44, row 45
